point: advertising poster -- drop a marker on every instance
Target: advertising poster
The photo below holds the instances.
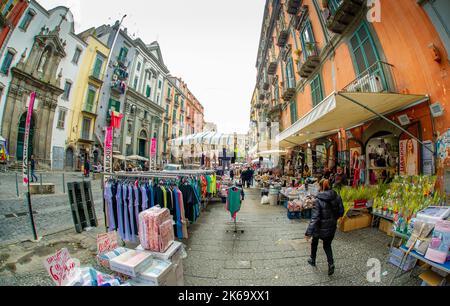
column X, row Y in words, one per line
column 355, row 153
column 409, row 157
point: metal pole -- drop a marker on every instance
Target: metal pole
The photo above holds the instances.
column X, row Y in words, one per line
column 30, row 209
column 42, row 191
column 17, row 184
column 64, row 183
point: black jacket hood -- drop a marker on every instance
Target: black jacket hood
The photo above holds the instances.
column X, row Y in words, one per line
column 327, row 196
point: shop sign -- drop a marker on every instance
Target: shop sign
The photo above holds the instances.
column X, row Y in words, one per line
column 409, row 157
column 108, row 150
column 153, row 148
column 26, row 139
column 106, row 242
column 62, row 268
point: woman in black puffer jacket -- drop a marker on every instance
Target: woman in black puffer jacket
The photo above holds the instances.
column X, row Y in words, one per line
column 328, row 208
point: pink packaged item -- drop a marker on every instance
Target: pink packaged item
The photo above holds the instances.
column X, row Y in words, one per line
column 166, row 235
column 150, row 230
column 440, row 243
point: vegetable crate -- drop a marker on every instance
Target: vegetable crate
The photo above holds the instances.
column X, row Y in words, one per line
column 294, row 215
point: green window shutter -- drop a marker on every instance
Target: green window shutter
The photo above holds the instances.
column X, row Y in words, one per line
column 316, row 90
column 148, row 91
column 7, row 62
column 293, row 110
column 90, row 100
column 98, row 67
column 363, row 49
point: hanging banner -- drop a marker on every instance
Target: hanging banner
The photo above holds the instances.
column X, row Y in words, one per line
column 108, row 150
column 153, row 148
column 409, row 157
column 26, row 138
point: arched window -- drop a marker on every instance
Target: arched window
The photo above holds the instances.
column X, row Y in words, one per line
column 143, row 134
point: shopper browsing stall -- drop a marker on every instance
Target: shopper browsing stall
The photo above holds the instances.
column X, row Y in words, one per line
column 328, row 208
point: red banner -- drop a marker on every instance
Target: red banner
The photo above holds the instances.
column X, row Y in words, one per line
column 26, row 138
column 153, row 148
column 108, row 150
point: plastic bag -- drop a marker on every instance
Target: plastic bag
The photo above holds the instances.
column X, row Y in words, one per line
column 265, row 200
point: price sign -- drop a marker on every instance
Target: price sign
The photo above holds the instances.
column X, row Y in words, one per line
column 62, row 268
column 106, row 242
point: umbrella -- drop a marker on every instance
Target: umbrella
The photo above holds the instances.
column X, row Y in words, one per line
column 120, row 157
column 272, row 152
column 137, row 157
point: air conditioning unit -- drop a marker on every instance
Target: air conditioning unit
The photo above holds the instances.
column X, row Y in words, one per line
column 367, row 83
column 404, row 120
column 436, row 109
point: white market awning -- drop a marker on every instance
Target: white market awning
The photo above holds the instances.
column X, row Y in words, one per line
column 336, row 112
column 207, row 138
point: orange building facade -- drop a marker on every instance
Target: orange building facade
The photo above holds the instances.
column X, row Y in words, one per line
column 10, row 13
column 347, row 80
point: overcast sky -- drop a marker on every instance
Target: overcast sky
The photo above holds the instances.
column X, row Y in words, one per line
column 211, row 44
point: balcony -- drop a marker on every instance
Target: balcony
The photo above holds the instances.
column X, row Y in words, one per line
column 262, row 97
column 96, row 76
column 118, row 87
column 265, row 85
column 376, row 79
column 123, row 62
column 301, row 18
column 342, row 14
column 85, row 138
column 272, row 69
column 310, row 60
column 282, row 38
column 289, row 90
column 293, row 6
column 274, row 112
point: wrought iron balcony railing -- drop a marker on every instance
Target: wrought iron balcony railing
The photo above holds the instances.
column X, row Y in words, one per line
column 377, row 78
column 310, row 60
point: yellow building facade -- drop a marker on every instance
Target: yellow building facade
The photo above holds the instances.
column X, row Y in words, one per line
column 85, row 102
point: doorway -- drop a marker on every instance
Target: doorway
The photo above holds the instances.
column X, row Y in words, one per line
column 69, row 159
column 21, row 136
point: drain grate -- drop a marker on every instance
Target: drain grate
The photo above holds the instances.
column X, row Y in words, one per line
column 17, row 215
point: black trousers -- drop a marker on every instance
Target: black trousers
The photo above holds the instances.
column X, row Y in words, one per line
column 326, row 247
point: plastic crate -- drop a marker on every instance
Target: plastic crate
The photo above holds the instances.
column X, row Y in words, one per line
column 396, row 257
column 306, row 214
column 293, row 215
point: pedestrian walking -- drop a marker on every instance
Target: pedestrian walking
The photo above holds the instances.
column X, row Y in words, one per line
column 33, row 168
column 327, row 210
column 232, row 174
column 87, row 167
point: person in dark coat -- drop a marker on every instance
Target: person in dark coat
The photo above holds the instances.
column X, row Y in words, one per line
column 328, row 208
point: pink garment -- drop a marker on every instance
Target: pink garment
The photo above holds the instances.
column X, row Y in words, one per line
column 166, row 235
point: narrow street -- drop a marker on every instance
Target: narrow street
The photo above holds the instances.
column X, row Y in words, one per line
column 271, row 251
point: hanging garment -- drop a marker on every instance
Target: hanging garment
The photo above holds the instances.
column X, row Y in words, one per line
column 131, row 214
column 111, row 219
column 204, row 186
column 234, row 201
column 126, row 218
column 183, row 215
column 119, row 200
column 178, row 227
column 136, row 208
column 145, row 198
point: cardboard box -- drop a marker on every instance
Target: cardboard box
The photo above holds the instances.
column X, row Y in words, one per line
column 387, row 227
column 349, row 224
column 131, row 263
column 159, row 273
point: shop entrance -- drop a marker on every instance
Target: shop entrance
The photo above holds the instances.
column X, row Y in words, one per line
column 21, row 136
column 382, row 158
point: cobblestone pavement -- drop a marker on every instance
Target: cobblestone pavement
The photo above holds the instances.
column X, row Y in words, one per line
column 51, row 212
column 272, row 252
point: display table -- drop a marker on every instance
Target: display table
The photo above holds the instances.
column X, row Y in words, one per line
column 376, row 218
column 442, row 267
column 403, row 237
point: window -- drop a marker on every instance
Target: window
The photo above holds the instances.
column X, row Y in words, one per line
column 67, row 89
column 307, row 39
column 76, row 56
column 98, row 67
column 157, row 99
column 90, row 100
column 130, row 128
column 7, row 62
column 290, row 74
column 136, row 83
column 7, row 8
column 114, row 105
column 86, row 129
column 148, row 91
column 145, row 115
column 159, row 84
column 123, row 54
column 293, row 109
column 174, row 116
column 61, row 119
column 139, row 67
column 168, row 92
column 316, row 90
column 27, row 20
column 363, row 49
column 167, row 110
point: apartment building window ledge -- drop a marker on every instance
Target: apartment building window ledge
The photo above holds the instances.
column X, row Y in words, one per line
column 342, row 13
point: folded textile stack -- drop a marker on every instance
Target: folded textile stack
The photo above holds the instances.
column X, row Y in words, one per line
column 105, row 258
column 156, row 229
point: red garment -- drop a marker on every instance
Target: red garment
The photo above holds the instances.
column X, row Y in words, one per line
column 116, row 118
column 204, row 186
